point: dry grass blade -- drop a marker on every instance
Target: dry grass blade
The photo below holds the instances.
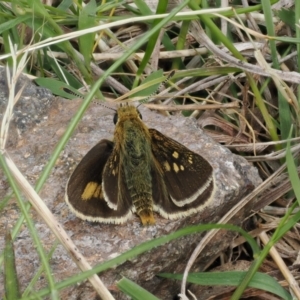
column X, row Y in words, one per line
column 12, row 77
column 274, row 155
column 192, row 106
column 282, row 266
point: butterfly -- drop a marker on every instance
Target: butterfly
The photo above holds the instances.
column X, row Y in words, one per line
column 141, row 171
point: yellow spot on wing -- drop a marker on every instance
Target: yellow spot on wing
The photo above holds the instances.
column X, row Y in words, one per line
column 175, row 167
column 114, row 171
column 175, row 154
column 181, row 167
column 92, row 189
column 98, row 192
column 167, row 166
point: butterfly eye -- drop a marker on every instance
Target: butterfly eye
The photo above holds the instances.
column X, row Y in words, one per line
column 115, row 118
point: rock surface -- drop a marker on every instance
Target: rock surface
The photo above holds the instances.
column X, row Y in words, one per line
column 235, row 177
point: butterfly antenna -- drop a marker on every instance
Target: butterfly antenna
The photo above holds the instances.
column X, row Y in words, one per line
column 72, row 92
column 171, row 74
column 82, row 97
column 98, row 103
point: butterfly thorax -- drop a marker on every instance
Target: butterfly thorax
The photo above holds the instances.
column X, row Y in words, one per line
column 132, row 138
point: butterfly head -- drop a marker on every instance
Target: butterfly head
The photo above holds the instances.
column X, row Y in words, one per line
column 126, row 112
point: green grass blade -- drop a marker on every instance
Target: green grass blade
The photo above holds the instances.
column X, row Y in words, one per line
column 161, row 8
column 11, row 281
column 62, row 73
column 9, row 24
column 86, row 42
column 143, row 7
column 59, row 88
column 292, row 171
column 134, row 291
column 177, row 62
column 297, row 17
column 4, row 201
column 288, row 17
column 259, row 281
column 65, row 4
column 146, row 91
column 284, row 109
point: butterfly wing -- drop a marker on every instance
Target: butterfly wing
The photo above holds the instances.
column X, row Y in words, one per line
column 85, row 194
column 183, row 181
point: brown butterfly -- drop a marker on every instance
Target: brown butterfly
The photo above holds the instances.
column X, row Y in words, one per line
column 141, row 171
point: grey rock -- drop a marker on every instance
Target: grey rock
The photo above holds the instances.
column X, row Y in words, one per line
column 33, row 104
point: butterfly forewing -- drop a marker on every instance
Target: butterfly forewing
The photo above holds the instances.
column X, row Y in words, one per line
column 188, row 178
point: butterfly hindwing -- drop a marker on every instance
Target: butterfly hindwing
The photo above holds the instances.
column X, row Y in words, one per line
column 85, row 194
column 114, row 185
column 164, row 205
column 182, row 180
